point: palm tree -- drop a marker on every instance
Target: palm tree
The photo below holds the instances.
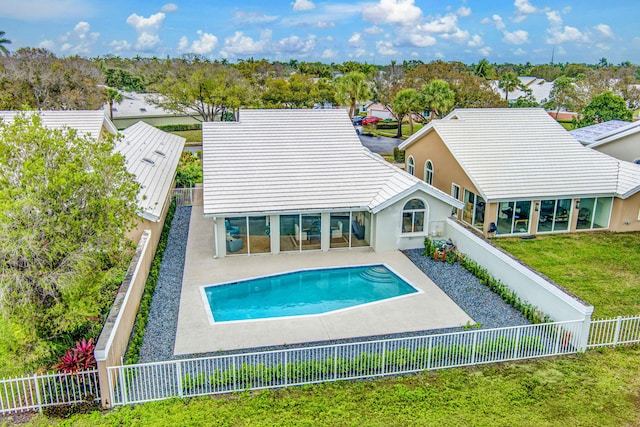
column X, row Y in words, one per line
column 484, row 69
column 406, row 102
column 508, row 82
column 351, row 88
column 4, row 41
column 113, row 95
column 438, row 97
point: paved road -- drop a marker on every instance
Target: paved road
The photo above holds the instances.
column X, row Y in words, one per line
column 377, row 144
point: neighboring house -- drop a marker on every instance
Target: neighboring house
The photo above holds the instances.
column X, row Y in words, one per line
column 152, row 156
column 378, row 110
column 616, row 138
column 296, row 180
column 518, row 171
column 540, row 89
column 138, row 144
column 136, row 107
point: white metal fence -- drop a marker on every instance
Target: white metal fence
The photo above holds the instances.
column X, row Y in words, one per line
column 39, row 391
column 618, row 330
column 188, row 196
column 308, row 365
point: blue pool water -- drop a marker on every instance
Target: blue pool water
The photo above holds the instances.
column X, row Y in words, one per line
column 304, row 292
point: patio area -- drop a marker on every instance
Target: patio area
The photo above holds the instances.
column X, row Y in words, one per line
column 428, row 310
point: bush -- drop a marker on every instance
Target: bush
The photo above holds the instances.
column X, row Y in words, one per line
column 179, row 127
column 398, row 155
column 189, row 171
column 79, row 358
column 387, row 125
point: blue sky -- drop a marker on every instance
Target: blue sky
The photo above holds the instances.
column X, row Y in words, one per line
column 331, row 31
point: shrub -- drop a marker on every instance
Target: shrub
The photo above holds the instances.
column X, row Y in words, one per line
column 79, row 358
column 179, row 127
column 387, row 125
column 398, row 155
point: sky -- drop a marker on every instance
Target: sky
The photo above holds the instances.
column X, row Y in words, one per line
column 377, row 32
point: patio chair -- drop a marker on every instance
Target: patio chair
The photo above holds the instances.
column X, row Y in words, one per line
column 234, row 244
column 298, row 236
column 231, row 229
column 336, row 232
column 441, row 253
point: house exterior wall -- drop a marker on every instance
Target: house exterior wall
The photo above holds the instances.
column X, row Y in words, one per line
column 446, row 169
column 626, row 148
column 625, row 214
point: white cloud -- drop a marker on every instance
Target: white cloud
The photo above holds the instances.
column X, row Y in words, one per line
column 523, row 9
column 554, row 18
column 80, row 40
column 476, row 41
column 329, row 54
column 253, row 18
column 463, row 11
column 300, row 5
column 183, row 44
column 386, row 48
column 485, row 51
column 169, row 8
column 50, row 45
column 439, row 55
column 418, row 39
column 515, row 37
column 444, row 24
column 295, row 45
column 401, row 12
column 567, row 34
column 373, row 30
column 239, row 44
column 519, row 52
column 458, row 35
column 147, row 29
column 355, row 40
column 604, row 30
column 120, row 45
column 205, row 44
column 324, row 24
column 496, row 20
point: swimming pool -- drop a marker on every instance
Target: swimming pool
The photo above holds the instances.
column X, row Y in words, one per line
column 302, row 293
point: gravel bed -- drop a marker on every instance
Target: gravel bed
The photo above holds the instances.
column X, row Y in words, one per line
column 160, row 335
column 478, row 301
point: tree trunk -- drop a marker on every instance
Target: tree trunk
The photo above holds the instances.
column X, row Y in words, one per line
column 111, row 109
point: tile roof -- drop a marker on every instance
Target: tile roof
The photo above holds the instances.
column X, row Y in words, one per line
column 296, row 160
column 152, row 156
column 87, row 122
column 517, row 153
column 602, row 133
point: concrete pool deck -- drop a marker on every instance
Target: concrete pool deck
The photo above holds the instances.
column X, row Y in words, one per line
column 430, row 309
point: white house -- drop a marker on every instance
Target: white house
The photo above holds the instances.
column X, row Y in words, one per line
column 616, row 138
column 296, row 180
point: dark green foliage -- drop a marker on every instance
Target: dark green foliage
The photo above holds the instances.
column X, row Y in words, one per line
column 387, row 125
column 179, row 127
column 189, row 171
column 137, row 334
column 123, row 80
column 398, row 155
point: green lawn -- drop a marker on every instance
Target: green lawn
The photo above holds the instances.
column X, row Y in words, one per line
column 599, row 388
column 391, row 133
column 602, row 268
column 190, row 135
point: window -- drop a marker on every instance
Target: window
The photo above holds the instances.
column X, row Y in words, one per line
column 555, row 215
column 594, row 213
column 455, row 193
column 513, row 217
column 473, row 210
column 411, row 165
column 414, row 216
column 428, row 172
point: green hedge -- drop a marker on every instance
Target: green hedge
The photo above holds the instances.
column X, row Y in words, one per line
column 137, row 334
column 387, row 125
column 398, row 155
column 178, row 127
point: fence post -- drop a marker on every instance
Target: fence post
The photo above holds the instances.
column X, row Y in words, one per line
column 429, row 351
column 384, row 349
column 473, row 347
column 516, row 346
column 37, row 387
column 335, row 362
column 616, row 335
column 284, row 366
column 583, row 342
column 123, row 385
column 179, row 377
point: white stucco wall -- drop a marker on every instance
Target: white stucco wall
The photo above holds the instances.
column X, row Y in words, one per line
column 388, row 224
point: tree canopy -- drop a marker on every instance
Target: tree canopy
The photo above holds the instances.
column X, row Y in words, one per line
column 605, row 107
column 351, row 88
column 67, row 202
column 438, row 97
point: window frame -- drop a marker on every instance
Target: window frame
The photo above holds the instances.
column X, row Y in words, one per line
column 428, row 172
column 411, row 165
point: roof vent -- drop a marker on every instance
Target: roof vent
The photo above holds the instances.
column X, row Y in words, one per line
column 148, row 161
column 160, row 153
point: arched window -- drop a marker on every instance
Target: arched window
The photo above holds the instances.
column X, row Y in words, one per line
column 411, row 165
column 414, row 216
column 428, row 172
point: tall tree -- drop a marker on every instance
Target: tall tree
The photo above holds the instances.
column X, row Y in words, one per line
column 508, row 82
column 113, row 95
column 563, row 95
column 405, row 103
column 4, row 41
column 67, row 202
column 604, row 107
column 484, row 69
column 438, row 97
column 351, row 88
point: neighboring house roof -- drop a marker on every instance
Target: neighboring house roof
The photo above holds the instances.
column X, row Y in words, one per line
column 517, row 153
column 297, row 160
column 152, row 156
column 86, row 122
column 540, row 89
column 603, row 133
column 138, row 105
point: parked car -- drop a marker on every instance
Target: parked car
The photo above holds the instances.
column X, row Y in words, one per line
column 370, row 120
column 357, row 120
